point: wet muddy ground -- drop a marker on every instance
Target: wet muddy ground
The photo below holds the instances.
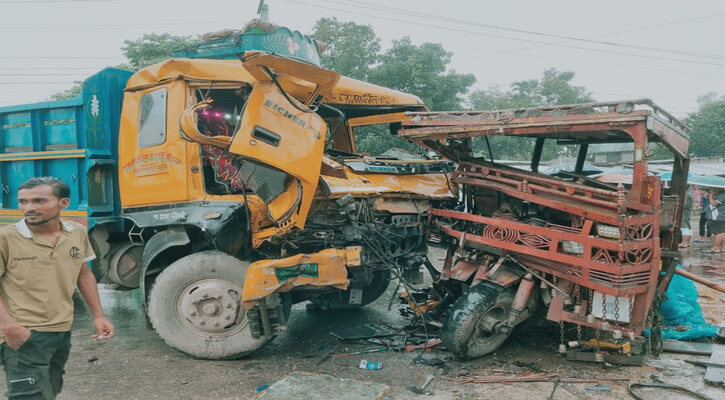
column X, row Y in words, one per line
column 137, row 364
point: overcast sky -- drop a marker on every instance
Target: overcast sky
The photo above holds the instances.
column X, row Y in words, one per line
column 670, row 51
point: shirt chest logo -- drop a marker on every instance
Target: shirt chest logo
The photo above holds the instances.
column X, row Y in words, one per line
column 75, row 253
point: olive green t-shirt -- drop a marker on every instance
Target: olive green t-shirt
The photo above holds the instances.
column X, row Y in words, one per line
column 37, row 280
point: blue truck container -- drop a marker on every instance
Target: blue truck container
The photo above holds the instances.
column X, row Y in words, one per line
column 75, row 140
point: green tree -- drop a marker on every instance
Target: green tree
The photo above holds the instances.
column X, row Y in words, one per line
column 554, row 88
column 74, row 91
column 707, row 127
column 351, row 48
column 419, row 70
column 152, row 48
column 423, row 71
column 147, row 50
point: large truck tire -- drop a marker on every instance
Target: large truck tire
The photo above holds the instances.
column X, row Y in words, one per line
column 195, row 306
column 470, row 330
column 340, row 299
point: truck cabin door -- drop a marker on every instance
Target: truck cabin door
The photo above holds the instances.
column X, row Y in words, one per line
column 280, row 140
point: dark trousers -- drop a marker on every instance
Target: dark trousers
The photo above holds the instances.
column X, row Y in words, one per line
column 35, row 371
column 703, row 226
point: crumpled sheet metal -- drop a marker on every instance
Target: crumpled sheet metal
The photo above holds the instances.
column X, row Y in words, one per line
column 346, row 91
column 329, row 266
column 430, row 186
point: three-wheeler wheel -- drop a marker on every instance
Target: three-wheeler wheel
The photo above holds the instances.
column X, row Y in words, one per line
column 474, row 325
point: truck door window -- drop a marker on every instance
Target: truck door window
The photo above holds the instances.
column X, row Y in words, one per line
column 152, row 118
column 221, row 169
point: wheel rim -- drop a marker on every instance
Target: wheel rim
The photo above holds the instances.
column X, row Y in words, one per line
column 486, row 336
column 211, row 307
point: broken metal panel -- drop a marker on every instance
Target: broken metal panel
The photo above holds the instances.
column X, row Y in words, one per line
column 347, row 91
column 298, row 153
column 423, row 186
column 327, row 268
column 401, row 206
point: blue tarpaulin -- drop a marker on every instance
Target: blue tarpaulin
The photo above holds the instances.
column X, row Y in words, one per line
column 681, row 309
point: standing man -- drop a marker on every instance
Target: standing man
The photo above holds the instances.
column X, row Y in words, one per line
column 716, row 223
column 686, row 228
column 704, row 212
column 42, row 260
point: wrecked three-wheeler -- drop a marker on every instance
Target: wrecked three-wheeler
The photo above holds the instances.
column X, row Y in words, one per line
column 580, row 251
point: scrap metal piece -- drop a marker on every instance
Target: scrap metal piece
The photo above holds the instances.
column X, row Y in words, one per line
column 364, row 331
column 422, row 388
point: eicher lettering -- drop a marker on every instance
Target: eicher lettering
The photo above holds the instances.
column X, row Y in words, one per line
column 284, row 112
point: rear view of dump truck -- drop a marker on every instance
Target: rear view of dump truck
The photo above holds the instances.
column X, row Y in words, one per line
column 224, row 184
column 582, row 252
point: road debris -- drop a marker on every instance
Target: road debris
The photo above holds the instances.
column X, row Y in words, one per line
column 299, row 385
column 661, row 385
column 425, row 345
column 715, row 372
column 261, row 388
column 365, row 364
column 338, row 355
column 695, row 348
column 599, row 388
column 532, row 378
column 364, row 331
column 422, row 389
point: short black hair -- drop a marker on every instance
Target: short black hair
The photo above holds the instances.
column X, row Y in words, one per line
column 61, row 189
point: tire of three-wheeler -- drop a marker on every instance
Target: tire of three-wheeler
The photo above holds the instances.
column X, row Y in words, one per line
column 472, row 326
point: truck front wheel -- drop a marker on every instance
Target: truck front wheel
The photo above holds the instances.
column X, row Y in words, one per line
column 195, row 306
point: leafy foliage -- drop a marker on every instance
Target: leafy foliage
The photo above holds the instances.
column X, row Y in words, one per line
column 354, row 51
column 423, row 71
column 351, row 48
column 152, row 48
column 554, row 88
column 377, row 139
column 74, row 91
column 707, row 135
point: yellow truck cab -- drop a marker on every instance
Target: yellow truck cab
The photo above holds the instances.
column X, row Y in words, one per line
column 241, row 193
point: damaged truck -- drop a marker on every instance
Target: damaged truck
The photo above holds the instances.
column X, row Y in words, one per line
column 224, row 185
column 591, row 255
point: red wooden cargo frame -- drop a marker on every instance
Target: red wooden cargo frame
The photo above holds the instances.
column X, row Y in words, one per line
column 627, row 266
